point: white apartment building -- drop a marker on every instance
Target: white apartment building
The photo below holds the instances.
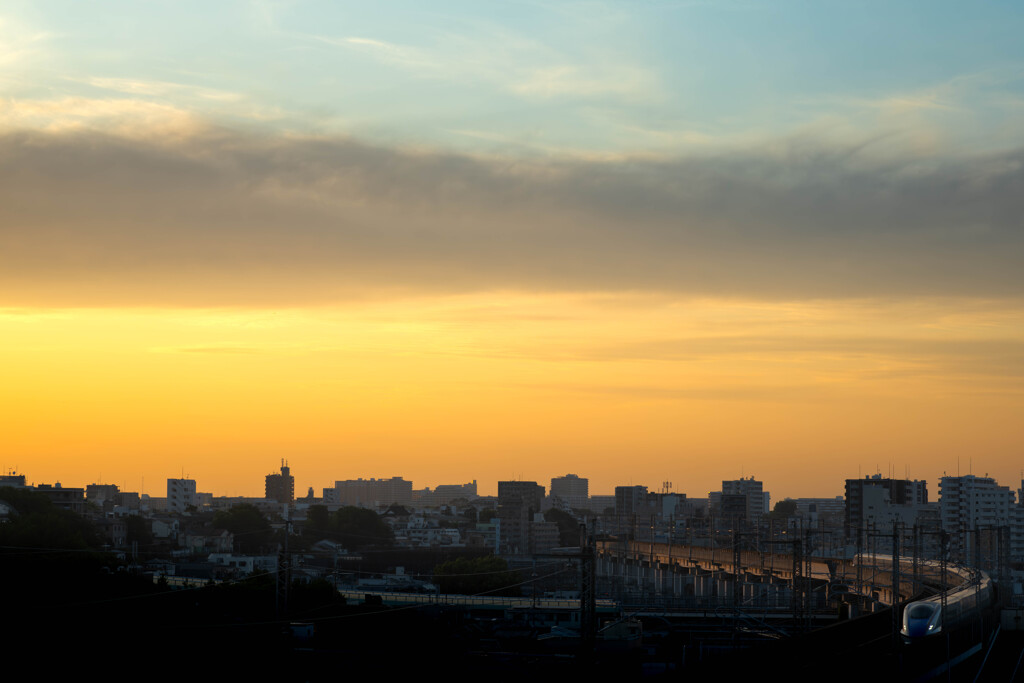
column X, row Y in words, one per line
column 758, row 499
column 181, row 493
column 968, row 503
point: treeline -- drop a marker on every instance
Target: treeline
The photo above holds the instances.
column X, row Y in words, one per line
column 488, row 575
column 355, row 528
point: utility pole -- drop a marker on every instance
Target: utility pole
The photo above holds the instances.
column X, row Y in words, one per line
column 895, row 583
column 588, row 593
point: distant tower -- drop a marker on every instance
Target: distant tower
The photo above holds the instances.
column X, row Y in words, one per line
column 281, row 487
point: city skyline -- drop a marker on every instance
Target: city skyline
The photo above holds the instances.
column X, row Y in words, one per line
column 777, row 490
column 678, row 242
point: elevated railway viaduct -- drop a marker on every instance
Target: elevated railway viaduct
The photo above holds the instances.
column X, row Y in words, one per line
column 733, row 597
column 698, row 576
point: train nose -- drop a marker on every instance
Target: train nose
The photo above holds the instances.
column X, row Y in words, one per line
column 921, row 619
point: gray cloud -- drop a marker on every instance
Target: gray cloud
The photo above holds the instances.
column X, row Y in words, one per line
column 228, row 218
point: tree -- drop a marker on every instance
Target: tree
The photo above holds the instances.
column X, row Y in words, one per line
column 247, row 524
column 138, row 530
column 318, row 520
column 476, row 576
column 783, row 509
column 357, row 528
column 38, row 523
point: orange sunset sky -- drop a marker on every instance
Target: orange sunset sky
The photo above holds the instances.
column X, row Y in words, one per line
column 453, row 245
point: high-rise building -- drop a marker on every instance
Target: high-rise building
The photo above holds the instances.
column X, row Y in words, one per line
column 901, row 492
column 629, row 500
column 570, row 491
column 281, row 487
column 444, row 494
column 181, row 494
column 371, row 493
column 969, row 500
column 518, row 501
column 754, row 503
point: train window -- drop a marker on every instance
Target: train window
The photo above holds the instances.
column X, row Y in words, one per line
column 920, row 611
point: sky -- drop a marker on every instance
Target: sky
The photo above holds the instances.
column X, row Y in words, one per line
column 642, row 242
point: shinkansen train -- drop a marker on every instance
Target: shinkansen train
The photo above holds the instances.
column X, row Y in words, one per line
column 925, row 618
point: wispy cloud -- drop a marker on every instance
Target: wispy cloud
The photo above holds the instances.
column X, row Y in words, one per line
column 390, row 53
column 162, row 89
column 508, row 62
column 19, row 43
column 569, row 80
column 127, row 117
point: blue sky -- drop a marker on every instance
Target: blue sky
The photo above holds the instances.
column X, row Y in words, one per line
column 637, row 78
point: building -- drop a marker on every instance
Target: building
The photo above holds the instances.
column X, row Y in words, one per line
column 734, row 506
column 444, row 494
column 755, row 500
column 879, row 512
column 570, row 492
column 518, row 502
column 370, row 493
column 181, row 494
column 543, row 535
column 600, row 505
column 629, row 500
column 65, row 498
column 13, row 479
column 973, row 509
column 901, row 492
column 98, row 494
column 281, row 487
column 669, row 505
column 829, row 512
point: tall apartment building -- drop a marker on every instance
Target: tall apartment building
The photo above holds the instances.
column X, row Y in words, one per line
column 181, row 493
column 629, row 500
column 755, row 498
column 969, row 500
column 443, row 494
column 901, row 492
column 371, row 493
column 570, row 491
column 518, row 501
column 281, row 487
column 1017, row 527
